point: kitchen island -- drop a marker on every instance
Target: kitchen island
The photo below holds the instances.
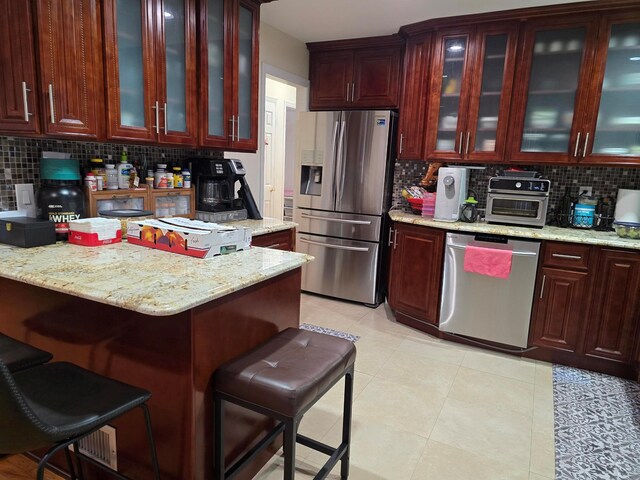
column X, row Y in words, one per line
column 157, row 320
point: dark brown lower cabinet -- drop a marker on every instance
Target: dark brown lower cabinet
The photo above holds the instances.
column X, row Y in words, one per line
column 415, row 276
column 559, row 309
column 282, row 240
column 612, row 328
column 587, row 308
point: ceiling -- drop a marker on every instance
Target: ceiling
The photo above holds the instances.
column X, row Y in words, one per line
column 317, row 20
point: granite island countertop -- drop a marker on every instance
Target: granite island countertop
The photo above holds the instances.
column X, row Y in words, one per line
column 264, row 226
column 142, row 279
column 558, row 234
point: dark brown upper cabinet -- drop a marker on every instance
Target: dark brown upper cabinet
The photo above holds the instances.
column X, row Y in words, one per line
column 472, row 72
column 66, row 98
column 611, row 129
column 150, row 50
column 551, row 98
column 18, row 82
column 229, row 74
column 350, row 74
column 413, row 100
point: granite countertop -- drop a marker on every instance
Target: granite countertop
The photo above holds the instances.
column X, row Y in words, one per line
column 264, row 226
column 572, row 235
column 142, row 279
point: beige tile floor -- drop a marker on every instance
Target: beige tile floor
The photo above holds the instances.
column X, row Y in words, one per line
column 428, row 409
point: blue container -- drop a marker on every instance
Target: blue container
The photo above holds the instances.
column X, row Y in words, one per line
column 583, row 215
column 59, row 169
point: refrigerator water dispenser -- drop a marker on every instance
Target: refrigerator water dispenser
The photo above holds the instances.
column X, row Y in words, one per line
column 311, row 180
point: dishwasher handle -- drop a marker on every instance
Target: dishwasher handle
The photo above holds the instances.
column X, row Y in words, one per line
column 514, row 253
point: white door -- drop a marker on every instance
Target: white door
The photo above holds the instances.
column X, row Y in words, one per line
column 273, row 160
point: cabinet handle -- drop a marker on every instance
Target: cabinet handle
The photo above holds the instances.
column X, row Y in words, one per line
column 575, row 152
column 353, row 91
column 544, row 278
column 348, row 92
column 586, row 142
column 51, row 109
column 466, row 150
column 238, row 126
column 233, row 128
column 401, row 141
column 562, row 255
column 390, row 241
column 395, row 238
column 165, row 118
column 25, row 102
column 460, row 143
column 156, row 107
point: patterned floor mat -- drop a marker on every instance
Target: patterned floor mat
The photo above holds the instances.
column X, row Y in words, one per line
column 329, row 331
column 597, row 426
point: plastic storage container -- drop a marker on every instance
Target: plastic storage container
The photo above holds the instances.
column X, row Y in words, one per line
column 583, row 215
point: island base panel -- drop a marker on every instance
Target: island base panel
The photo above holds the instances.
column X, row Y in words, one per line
column 172, row 356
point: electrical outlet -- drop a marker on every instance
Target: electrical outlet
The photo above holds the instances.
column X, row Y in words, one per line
column 25, row 199
column 587, row 191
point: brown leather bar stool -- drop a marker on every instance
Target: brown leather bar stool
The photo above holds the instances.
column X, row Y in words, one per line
column 283, row 378
column 17, row 355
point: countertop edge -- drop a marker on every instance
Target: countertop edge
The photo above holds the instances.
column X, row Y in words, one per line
column 569, row 235
column 134, row 303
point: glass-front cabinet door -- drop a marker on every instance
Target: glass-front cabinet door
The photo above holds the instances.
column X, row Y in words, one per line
column 613, row 131
column 150, row 68
column 247, row 76
column 494, row 64
column 449, row 85
column 229, row 74
column 177, row 78
column 551, row 96
column 130, row 67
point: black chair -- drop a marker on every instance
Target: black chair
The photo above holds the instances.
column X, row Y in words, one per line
column 57, row 404
column 18, row 355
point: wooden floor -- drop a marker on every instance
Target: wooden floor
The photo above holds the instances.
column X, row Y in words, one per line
column 19, row 467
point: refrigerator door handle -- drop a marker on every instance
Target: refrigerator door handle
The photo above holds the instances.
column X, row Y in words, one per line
column 338, row 220
column 339, row 173
column 334, row 148
column 337, row 247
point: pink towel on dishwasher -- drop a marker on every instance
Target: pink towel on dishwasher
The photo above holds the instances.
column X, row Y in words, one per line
column 487, row 261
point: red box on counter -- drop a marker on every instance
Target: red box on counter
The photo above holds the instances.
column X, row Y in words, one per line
column 92, row 239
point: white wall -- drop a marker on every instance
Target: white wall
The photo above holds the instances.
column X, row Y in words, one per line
column 290, row 55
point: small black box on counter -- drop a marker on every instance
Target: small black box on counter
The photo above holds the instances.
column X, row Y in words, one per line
column 27, row 232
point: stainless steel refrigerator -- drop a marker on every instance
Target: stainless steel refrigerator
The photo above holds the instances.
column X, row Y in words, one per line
column 343, row 181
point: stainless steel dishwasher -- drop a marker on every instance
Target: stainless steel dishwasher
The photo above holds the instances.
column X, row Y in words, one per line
column 485, row 307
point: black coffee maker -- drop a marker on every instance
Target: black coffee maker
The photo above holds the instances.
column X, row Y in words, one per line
column 215, row 182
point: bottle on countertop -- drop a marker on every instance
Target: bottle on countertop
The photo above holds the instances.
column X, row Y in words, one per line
column 160, row 176
column 98, row 169
column 124, row 171
column 177, row 177
column 112, row 176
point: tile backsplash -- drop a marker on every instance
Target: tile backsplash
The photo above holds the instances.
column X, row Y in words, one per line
column 605, row 181
column 19, row 159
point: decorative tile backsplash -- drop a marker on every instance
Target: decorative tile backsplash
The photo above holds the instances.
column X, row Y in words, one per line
column 605, row 181
column 19, row 159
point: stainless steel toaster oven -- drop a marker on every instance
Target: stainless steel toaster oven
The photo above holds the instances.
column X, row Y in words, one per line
column 518, row 201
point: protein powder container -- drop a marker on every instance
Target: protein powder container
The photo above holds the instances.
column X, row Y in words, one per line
column 60, row 198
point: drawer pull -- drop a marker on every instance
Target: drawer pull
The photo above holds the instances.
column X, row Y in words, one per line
column 570, row 257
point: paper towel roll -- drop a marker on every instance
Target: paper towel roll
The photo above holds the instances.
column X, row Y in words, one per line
column 628, row 206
